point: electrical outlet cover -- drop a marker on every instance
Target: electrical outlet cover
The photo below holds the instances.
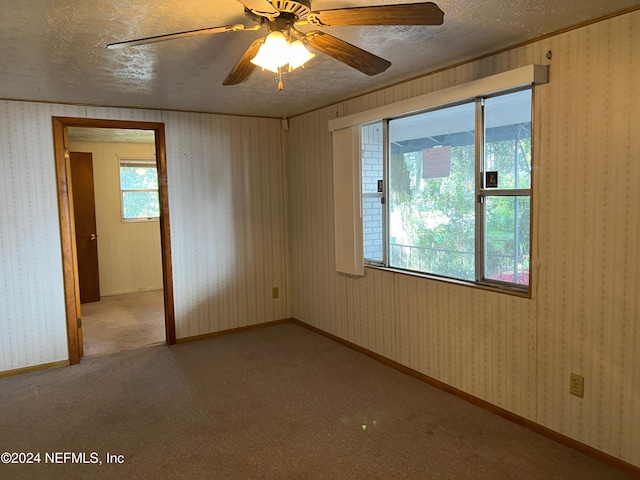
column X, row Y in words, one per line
column 576, row 385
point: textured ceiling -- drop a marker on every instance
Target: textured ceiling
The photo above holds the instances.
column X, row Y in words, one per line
column 114, row 135
column 54, row 50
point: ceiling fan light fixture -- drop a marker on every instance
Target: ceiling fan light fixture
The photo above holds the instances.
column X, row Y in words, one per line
column 298, row 55
column 273, row 53
column 280, row 47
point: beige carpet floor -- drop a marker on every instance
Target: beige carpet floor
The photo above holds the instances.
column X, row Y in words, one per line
column 123, row 322
column 279, row 402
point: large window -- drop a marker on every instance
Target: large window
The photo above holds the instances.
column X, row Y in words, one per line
column 139, row 187
column 447, row 191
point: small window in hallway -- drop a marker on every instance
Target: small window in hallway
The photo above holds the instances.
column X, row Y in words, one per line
column 139, row 187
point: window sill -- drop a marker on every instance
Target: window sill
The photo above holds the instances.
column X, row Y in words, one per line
column 514, row 291
column 141, row 220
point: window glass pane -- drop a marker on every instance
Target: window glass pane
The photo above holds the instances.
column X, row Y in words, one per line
column 432, row 192
column 143, row 177
column 372, row 174
column 507, row 239
column 140, row 204
column 508, row 139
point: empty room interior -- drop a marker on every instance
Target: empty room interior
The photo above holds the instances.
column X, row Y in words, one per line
column 345, row 263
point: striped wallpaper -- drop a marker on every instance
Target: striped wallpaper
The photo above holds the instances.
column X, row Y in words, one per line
column 227, row 197
column 229, row 236
column 584, row 316
column 32, row 315
column 252, row 208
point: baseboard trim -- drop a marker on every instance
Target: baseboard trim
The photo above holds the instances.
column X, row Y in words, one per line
column 592, row 452
column 34, row 368
column 127, row 292
column 233, row 330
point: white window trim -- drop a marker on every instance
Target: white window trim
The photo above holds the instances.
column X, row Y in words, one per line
column 513, row 79
column 129, row 161
column 347, row 174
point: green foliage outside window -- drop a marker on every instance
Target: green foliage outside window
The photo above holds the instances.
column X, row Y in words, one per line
column 437, row 214
column 432, row 225
column 139, row 185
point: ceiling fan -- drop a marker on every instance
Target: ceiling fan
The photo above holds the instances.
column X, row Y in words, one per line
column 285, row 44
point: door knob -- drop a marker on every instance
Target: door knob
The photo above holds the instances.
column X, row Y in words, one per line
column 93, row 236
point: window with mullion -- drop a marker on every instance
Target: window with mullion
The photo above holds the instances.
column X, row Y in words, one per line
column 456, row 196
column 506, row 191
column 139, row 189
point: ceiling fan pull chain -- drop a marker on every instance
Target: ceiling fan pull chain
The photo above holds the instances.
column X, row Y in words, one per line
column 280, row 85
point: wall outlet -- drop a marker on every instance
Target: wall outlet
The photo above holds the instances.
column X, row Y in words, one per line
column 576, row 385
column 274, row 292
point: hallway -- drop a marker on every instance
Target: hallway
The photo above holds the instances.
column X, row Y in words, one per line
column 123, row 322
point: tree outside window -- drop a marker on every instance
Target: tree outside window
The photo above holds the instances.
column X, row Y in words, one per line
column 441, row 217
column 139, row 187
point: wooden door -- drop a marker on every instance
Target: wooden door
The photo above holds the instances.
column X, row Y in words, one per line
column 85, row 226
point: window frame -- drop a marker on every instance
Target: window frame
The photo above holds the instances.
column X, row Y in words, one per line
column 481, row 194
column 348, row 216
column 144, row 163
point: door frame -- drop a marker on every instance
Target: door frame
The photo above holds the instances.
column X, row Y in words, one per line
column 67, row 228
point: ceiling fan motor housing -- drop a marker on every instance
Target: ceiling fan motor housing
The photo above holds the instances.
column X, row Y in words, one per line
column 298, row 9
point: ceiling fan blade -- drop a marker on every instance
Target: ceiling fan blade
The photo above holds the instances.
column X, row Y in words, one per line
column 243, row 68
column 346, row 53
column 404, row 14
column 261, row 7
column 173, row 36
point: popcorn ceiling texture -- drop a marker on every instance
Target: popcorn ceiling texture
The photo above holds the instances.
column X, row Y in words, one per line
column 55, row 51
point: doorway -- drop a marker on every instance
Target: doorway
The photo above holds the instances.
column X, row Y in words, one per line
column 115, row 203
column 74, row 311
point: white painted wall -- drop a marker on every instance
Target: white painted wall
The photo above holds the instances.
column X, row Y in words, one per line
column 584, row 316
column 229, row 237
column 129, row 253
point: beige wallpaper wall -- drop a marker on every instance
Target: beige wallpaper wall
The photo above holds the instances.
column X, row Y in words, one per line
column 129, row 254
column 229, row 236
column 32, row 325
column 584, row 316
